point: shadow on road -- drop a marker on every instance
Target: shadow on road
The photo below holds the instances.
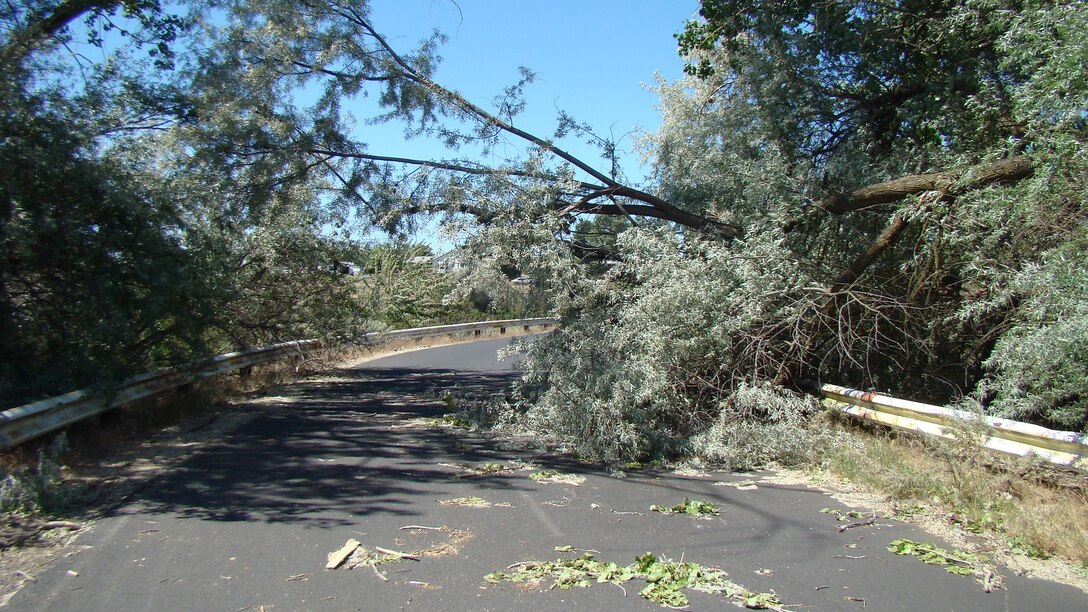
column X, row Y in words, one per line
column 355, row 443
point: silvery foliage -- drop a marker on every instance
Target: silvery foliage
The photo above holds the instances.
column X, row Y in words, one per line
column 1025, row 250
column 760, row 425
column 650, row 351
column 649, row 354
column 1041, row 362
column 668, row 351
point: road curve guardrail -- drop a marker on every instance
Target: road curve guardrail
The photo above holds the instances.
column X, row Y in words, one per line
column 1065, row 448
column 17, row 425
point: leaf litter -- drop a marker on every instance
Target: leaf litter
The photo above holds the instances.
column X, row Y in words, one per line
column 473, row 502
column 954, row 561
column 691, row 507
column 665, row 580
column 554, row 477
column 354, row 555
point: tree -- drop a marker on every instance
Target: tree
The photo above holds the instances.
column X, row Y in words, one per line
column 94, row 281
column 266, row 51
column 905, row 228
column 862, row 191
column 117, row 259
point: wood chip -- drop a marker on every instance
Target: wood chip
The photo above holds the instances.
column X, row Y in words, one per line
column 336, row 559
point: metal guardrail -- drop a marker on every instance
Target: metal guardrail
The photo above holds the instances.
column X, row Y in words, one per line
column 17, row 425
column 1066, row 448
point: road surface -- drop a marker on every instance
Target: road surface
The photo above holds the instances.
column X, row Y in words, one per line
column 248, row 521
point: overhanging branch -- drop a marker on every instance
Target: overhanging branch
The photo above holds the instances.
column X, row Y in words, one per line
column 1006, row 171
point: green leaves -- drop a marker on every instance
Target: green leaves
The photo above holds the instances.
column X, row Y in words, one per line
column 954, row 561
column 690, row 507
column 666, row 580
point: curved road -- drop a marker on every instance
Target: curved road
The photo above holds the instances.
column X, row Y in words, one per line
column 247, row 522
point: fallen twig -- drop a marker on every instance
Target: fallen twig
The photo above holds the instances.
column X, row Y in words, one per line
column 947, row 555
column 868, row 521
column 378, row 572
column 630, row 513
column 59, row 525
column 423, row 527
column 397, row 553
column 849, row 557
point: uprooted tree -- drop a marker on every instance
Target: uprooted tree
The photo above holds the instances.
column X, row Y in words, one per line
column 881, row 194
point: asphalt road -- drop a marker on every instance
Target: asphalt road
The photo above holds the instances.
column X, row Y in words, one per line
column 247, row 522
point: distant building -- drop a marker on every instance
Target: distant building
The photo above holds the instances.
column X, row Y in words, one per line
column 349, row 268
column 451, row 261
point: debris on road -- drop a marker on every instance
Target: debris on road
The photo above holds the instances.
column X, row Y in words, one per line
column 552, row 476
column 744, row 485
column 473, row 502
column 869, row 521
column 954, row 561
column 396, row 553
column 665, row 579
column 691, row 507
column 364, row 556
column 354, row 555
column 337, row 558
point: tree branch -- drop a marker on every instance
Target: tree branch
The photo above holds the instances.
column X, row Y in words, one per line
column 665, row 209
column 47, row 26
column 877, row 247
column 1006, row 171
column 465, row 169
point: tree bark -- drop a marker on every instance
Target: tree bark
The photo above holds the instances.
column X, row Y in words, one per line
column 948, row 183
column 877, row 247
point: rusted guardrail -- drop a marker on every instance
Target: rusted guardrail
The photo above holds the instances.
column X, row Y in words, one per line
column 1066, row 448
column 17, row 425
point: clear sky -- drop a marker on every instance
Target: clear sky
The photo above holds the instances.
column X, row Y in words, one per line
column 592, row 58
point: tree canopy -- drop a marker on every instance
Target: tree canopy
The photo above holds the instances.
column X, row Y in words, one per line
column 883, row 194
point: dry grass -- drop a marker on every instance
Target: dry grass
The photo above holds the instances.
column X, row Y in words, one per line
column 1029, row 508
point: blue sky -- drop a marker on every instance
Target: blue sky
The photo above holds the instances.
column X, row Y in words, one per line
column 592, row 59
